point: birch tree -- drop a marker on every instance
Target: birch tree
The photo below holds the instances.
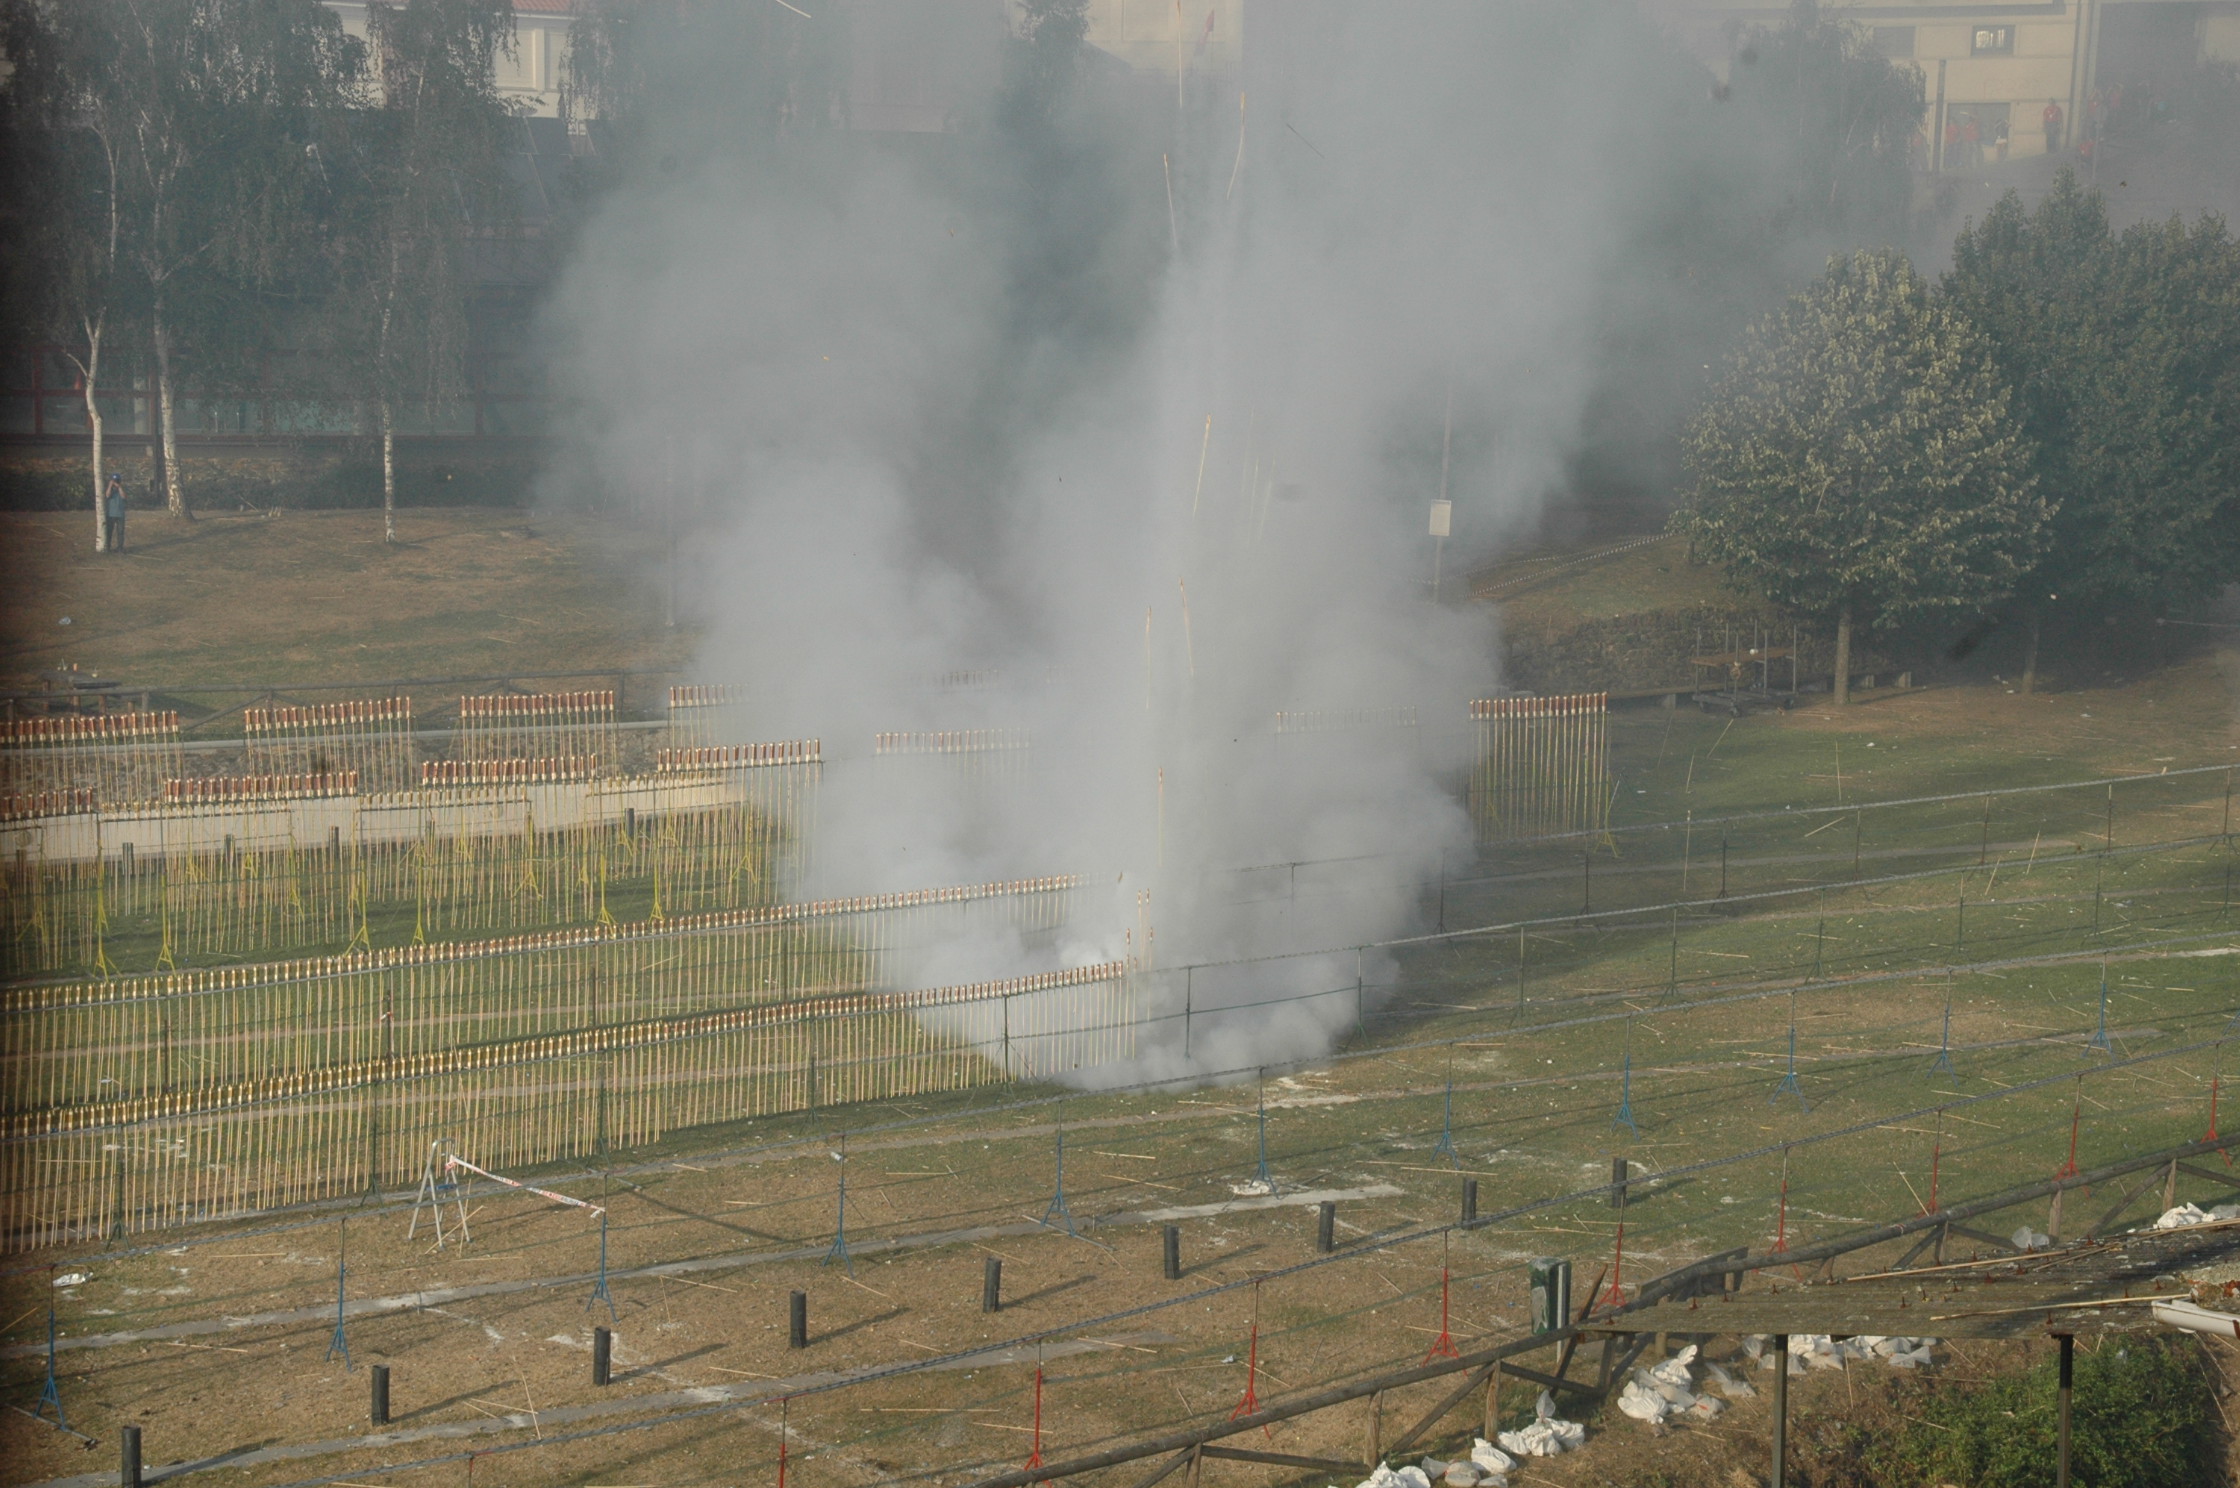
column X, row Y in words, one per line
column 1859, row 462
column 220, row 106
column 432, row 152
column 66, row 231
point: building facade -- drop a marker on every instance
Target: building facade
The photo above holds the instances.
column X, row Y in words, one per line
column 2002, row 80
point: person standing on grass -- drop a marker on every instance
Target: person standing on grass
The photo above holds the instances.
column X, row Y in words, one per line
column 112, row 512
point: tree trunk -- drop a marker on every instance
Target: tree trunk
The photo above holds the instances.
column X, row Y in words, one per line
column 1843, row 657
column 167, row 440
column 388, row 472
column 89, row 373
column 2030, row 653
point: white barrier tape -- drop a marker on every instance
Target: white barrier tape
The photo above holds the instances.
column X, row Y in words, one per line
column 543, row 1193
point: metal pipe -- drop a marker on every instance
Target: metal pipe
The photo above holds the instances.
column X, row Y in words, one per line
column 1780, row 1410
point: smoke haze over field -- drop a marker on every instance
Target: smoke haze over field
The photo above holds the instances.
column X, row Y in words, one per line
column 939, row 405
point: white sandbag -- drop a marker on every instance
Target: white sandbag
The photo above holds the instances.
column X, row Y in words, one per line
column 1675, row 1370
column 1391, row 1477
column 1548, row 1436
column 2026, row 1238
column 1814, row 1351
column 1641, row 1403
column 1489, row 1458
column 1729, row 1386
column 1462, row 1475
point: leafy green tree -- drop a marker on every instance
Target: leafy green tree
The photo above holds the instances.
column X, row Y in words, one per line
column 1841, row 115
column 65, row 143
column 428, row 188
column 2124, row 353
column 1858, row 462
column 1799, row 151
column 1051, row 40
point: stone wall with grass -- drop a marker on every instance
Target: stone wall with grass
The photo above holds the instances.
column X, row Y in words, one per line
column 1649, row 650
column 306, row 475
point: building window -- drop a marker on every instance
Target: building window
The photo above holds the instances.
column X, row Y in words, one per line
column 1992, row 41
column 1893, row 41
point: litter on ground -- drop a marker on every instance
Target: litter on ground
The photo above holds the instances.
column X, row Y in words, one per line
column 1547, row 1436
column 1819, row 1351
column 1666, row 1392
column 2193, row 1214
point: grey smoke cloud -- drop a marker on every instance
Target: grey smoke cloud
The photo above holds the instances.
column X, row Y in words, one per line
column 902, row 459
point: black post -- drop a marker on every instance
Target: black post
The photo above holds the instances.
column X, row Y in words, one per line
column 1618, row 1175
column 1722, row 865
column 1780, row 1410
column 1326, row 1227
column 602, row 1356
column 1170, row 1245
column 2068, row 1374
column 380, row 1411
column 991, row 1284
column 128, row 1459
column 1469, row 1202
column 797, row 1320
column 1586, row 882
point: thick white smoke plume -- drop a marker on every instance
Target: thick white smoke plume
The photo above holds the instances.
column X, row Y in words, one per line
column 932, row 483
